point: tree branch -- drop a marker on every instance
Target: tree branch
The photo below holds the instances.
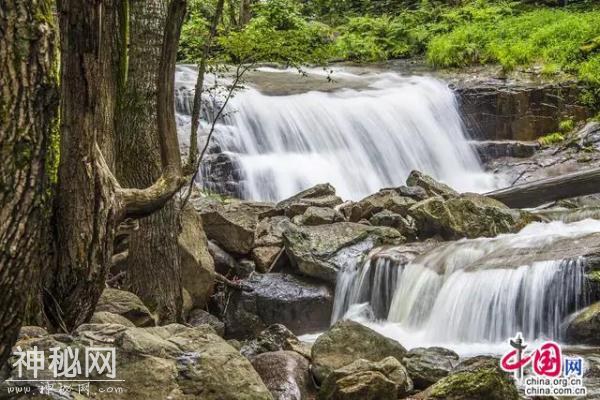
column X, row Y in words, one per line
column 200, row 82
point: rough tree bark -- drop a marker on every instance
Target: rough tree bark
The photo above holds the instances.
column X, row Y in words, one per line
column 153, row 268
column 28, row 111
column 532, row 194
column 91, row 203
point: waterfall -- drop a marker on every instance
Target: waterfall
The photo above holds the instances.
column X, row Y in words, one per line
column 359, row 140
column 474, row 291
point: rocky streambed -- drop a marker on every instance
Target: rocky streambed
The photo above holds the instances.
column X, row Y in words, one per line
column 282, row 262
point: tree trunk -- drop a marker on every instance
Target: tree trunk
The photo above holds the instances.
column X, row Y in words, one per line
column 153, row 269
column 532, row 194
column 91, row 203
column 28, row 111
column 87, row 206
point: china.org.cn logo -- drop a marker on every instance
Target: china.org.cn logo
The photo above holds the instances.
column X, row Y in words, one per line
column 64, row 370
column 551, row 374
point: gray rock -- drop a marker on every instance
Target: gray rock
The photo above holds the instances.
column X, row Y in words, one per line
column 385, row 199
column 348, row 341
column 430, row 185
column 164, row 362
column 584, row 327
column 286, row 374
column 264, row 257
column 322, row 195
column 362, row 379
column 104, row 317
column 478, row 378
column 405, row 225
column 197, row 265
column 321, row 251
column 199, row 317
column 27, row 332
column 275, row 338
column 301, row 304
column 426, row 366
column 320, row 216
column 232, row 225
column 125, row 304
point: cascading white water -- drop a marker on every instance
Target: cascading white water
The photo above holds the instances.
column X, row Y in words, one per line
column 457, row 293
column 358, row 140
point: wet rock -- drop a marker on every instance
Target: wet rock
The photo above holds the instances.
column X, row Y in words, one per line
column 104, row 317
column 405, row 225
column 27, row 332
column 125, row 304
column 269, row 231
column 222, row 174
column 264, row 257
column 197, row 265
column 500, row 111
column 362, row 379
column 227, row 265
column 275, row 338
column 301, row 304
column 348, row 341
column 320, row 251
column 426, row 366
column 414, row 192
column 232, row 225
column 386, row 199
column 322, row 195
column 478, row 378
column 584, row 328
column 199, row 317
column 430, row 185
column 467, row 215
column 286, row 374
column 319, row 216
column 490, row 150
column 172, row 361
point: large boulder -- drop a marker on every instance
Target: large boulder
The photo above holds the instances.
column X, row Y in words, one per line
column 169, row 362
column 468, row 215
column 348, row 341
column 385, row 199
column 197, row 265
column 321, row 251
column 105, row 317
column 478, row 378
column 302, row 304
column 286, row 374
column 232, row 225
column 322, row 195
column 426, row 366
column 364, row 380
column 584, row 328
column 127, row 305
column 319, row 216
column 405, row 225
column 200, row 317
column 264, row 257
column 275, row 338
column 430, row 185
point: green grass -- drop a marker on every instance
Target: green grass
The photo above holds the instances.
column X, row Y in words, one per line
column 551, row 139
column 549, row 38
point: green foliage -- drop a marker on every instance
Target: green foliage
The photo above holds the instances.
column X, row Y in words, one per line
column 278, row 33
column 566, row 126
column 551, row 139
column 548, row 37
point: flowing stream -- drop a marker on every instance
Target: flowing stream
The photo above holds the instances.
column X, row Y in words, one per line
column 359, row 140
column 460, row 293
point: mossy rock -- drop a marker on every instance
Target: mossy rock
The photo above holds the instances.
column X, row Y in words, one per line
column 479, row 378
column 348, row 341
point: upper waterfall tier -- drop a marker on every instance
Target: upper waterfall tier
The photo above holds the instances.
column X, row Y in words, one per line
column 359, row 140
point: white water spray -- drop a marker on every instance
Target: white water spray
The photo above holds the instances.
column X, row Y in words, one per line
column 358, row 140
column 458, row 293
